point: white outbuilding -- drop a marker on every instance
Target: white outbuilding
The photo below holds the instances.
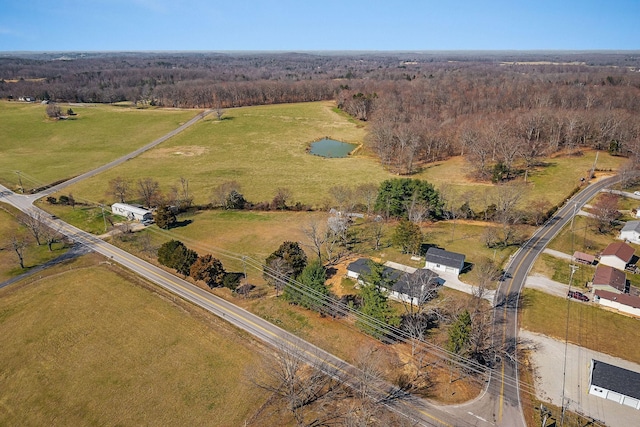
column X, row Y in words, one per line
column 631, row 232
column 440, row 260
column 131, row 212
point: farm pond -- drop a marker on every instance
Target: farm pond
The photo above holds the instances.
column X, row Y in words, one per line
column 331, row 148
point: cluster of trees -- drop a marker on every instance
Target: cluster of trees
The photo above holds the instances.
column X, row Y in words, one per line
column 36, row 231
column 228, row 195
column 174, row 254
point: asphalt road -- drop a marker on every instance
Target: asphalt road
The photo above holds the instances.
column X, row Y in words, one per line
column 500, row 405
column 409, row 406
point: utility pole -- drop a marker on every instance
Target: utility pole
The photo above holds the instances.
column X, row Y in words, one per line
column 103, row 218
column 593, row 168
column 566, row 345
column 20, row 182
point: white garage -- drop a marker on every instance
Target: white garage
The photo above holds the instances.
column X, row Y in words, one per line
column 441, row 260
column 616, row 384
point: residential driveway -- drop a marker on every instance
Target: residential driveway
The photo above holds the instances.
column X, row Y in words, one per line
column 548, row 362
column 546, row 285
column 558, row 254
column 452, row 281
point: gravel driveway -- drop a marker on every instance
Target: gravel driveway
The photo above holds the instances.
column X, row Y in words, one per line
column 548, row 362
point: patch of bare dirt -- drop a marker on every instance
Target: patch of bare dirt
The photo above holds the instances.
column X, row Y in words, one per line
column 180, row 151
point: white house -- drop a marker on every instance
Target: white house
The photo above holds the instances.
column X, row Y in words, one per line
column 624, row 303
column 441, row 260
column 413, row 287
column 617, row 255
column 613, row 383
column 631, row 232
column 131, row 212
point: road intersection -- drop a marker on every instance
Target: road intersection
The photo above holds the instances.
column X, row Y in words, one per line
column 499, row 405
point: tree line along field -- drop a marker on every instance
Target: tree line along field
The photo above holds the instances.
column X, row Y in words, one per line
column 264, row 148
column 45, row 151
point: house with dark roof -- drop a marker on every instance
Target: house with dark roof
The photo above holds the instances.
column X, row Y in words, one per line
column 441, row 260
column 617, row 255
column 609, row 279
column 613, row 383
column 627, row 304
column 631, row 232
column 411, row 286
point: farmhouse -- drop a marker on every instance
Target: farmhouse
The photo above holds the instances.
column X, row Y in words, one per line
column 617, row 255
column 441, row 260
column 609, row 279
column 631, row 232
column 131, row 212
column 624, row 303
column 409, row 286
column 613, row 383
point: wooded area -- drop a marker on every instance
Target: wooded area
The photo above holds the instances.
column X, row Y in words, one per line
column 504, row 111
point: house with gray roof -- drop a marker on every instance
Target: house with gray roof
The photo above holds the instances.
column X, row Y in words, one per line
column 613, row 383
column 408, row 286
column 631, row 232
column 440, row 260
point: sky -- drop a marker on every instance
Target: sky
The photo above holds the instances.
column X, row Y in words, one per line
column 312, row 25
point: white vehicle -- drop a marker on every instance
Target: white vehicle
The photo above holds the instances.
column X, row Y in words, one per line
column 637, row 193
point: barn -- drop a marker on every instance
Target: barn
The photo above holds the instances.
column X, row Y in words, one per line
column 441, row 260
column 131, row 212
column 613, row 383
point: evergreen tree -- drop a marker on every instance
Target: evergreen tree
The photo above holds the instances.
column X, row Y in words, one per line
column 396, row 195
column 408, row 236
column 314, row 295
column 174, row 254
column 164, row 217
column 460, row 334
column 209, row 270
column 375, row 303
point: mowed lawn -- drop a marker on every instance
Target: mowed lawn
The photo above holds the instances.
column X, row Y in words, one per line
column 87, row 346
column 589, row 326
column 44, row 150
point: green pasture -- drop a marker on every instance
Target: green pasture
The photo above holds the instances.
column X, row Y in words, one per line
column 87, row 346
column 45, row 150
column 589, row 326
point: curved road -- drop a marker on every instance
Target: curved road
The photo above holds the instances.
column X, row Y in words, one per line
column 500, row 405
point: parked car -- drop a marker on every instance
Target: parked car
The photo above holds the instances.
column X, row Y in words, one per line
column 578, row 295
column 637, row 193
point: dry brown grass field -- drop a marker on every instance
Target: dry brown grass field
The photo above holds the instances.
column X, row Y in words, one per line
column 89, row 344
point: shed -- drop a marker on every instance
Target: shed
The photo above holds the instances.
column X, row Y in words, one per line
column 441, row 260
column 404, row 288
column 131, row 212
column 609, row 279
column 631, row 232
column 617, row 255
column 624, row 303
column 583, row 258
column 614, row 383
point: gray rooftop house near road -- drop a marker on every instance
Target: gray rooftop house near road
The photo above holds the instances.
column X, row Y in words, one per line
column 613, row 383
column 441, row 260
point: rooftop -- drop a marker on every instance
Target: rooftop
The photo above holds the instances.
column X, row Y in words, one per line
column 632, row 226
column 402, row 280
column 613, row 277
column 624, row 299
column 440, row 256
column 616, row 379
column 620, row 250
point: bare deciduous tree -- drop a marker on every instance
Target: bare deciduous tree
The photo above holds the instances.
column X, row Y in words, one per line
column 33, row 221
column 18, row 244
column 119, row 188
column 149, row 191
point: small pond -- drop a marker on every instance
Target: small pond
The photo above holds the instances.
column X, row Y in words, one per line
column 331, row 148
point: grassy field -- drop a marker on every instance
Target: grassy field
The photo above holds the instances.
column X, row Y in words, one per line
column 34, row 255
column 45, row 151
column 589, row 326
column 86, row 346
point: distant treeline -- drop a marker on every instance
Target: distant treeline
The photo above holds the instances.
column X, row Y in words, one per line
column 498, row 109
